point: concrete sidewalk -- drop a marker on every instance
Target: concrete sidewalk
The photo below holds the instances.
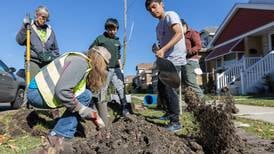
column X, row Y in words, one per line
column 256, row 112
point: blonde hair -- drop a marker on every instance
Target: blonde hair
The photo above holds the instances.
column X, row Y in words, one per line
column 97, row 76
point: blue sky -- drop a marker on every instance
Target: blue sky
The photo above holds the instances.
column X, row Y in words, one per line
column 78, row 22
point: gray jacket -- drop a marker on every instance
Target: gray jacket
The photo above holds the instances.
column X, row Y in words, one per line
column 36, row 44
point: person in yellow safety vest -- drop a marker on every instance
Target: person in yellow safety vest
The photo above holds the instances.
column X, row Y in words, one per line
column 63, row 82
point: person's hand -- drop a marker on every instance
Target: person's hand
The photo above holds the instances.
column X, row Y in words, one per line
column 155, row 47
column 26, row 21
column 160, row 53
column 90, row 114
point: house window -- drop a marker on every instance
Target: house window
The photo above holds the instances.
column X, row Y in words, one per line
column 219, row 62
column 240, row 55
column 253, row 51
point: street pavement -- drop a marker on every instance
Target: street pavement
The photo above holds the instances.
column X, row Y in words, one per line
column 5, row 108
column 256, row 112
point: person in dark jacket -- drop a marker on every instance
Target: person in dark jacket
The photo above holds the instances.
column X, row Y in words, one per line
column 192, row 68
column 110, row 41
column 44, row 46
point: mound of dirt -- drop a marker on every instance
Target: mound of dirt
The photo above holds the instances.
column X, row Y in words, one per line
column 135, row 136
column 217, row 131
column 24, row 121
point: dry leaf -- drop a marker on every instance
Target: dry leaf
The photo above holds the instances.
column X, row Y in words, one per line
column 259, row 130
column 1, row 139
column 13, row 147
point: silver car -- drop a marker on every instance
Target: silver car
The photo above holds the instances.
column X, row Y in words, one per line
column 12, row 87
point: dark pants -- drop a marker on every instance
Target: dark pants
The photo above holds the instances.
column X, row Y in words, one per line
column 35, row 68
column 170, row 96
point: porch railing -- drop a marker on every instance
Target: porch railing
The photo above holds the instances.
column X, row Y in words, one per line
column 231, row 74
column 255, row 73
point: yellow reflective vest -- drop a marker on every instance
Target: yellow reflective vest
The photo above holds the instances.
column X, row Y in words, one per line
column 48, row 77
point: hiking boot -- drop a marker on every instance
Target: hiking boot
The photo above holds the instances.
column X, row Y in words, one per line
column 165, row 117
column 56, row 144
column 174, row 127
column 126, row 114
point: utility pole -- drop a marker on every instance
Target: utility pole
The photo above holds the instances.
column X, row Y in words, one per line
column 125, row 34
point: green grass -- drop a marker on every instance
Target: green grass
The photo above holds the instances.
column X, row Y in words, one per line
column 186, row 119
column 20, row 145
column 261, row 129
column 255, row 100
column 141, row 95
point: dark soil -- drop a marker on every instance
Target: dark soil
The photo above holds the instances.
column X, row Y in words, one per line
column 135, row 136
column 217, row 131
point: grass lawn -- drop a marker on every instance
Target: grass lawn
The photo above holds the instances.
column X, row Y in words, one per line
column 187, row 120
column 255, row 100
column 23, row 144
column 262, row 129
column 20, row 144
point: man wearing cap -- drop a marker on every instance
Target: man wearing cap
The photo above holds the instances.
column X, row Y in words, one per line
column 110, row 41
column 44, row 46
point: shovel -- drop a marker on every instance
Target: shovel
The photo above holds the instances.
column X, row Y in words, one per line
column 168, row 73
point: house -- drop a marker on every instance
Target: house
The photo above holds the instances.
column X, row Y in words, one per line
column 143, row 78
column 242, row 48
column 129, row 79
column 206, row 35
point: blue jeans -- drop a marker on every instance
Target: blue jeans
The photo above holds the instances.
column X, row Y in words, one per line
column 67, row 124
column 117, row 78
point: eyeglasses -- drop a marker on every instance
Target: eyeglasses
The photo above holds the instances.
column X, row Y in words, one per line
column 44, row 17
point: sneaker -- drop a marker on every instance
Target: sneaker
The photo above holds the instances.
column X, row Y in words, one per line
column 174, row 127
column 165, row 117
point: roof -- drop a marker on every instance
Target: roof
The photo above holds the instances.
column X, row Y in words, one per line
column 129, row 78
column 232, row 47
column 144, row 66
column 262, row 1
column 242, row 19
column 210, row 30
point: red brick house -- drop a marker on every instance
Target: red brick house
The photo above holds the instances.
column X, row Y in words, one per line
column 242, row 48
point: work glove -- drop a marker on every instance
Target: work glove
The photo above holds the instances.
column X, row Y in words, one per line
column 26, row 21
column 90, row 114
column 155, row 47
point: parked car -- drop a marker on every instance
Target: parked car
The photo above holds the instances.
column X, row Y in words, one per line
column 21, row 73
column 12, row 87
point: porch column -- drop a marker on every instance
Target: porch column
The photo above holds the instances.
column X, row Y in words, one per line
column 242, row 75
